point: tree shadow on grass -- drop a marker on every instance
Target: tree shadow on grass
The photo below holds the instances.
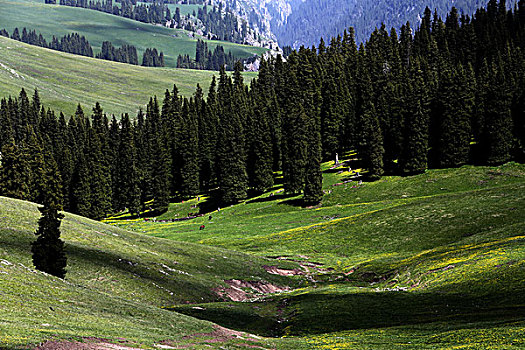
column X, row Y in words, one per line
column 271, row 198
column 211, row 203
column 79, row 255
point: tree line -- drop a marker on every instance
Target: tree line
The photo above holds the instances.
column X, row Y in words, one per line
column 124, row 54
column 79, row 45
column 146, row 13
column 448, row 94
column 206, row 59
column 70, row 43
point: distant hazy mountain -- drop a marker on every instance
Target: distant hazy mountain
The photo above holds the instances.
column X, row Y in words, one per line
column 304, row 22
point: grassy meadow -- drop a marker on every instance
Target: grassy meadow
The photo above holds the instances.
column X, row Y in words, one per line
column 116, row 286
column 434, row 261
column 98, row 27
column 120, row 88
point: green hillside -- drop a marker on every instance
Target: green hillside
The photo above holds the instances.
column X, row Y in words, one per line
column 120, row 88
column 116, row 283
column 432, row 261
column 98, row 27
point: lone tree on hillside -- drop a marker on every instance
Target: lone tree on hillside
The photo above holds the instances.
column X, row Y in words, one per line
column 48, row 249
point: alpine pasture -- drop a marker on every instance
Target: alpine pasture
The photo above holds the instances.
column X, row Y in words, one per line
column 120, row 88
column 98, row 27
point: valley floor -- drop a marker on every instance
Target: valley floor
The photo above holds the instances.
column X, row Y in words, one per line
column 434, row 261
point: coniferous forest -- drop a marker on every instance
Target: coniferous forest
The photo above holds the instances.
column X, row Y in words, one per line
column 450, row 93
column 206, row 59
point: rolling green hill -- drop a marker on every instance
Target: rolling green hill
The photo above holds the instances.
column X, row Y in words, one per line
column 120, row 88
column 434, row 261
column 98, row 27
column 116, row 282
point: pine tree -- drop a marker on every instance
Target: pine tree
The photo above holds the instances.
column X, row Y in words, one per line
column 497, row 132
column 190, row 152
column 233, row 179
column 48, row 249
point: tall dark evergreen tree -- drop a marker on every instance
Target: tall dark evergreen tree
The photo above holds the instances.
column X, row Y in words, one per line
column 233, row 178
column 414, row 157
column 161, row 168
column 190, row 151
column 14, row 172
column 456, row 102
column 128, row 182
column 497, row 136
column 48, row 249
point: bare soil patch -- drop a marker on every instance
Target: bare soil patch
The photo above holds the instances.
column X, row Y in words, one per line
column 94, row 344
column 274, row 270
column 239, row 290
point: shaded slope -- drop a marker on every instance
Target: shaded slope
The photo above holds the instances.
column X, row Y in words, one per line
column 116, row 282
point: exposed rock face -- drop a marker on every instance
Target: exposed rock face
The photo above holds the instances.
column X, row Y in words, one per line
column 304, row 22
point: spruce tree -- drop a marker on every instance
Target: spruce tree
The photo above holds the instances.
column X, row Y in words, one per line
column 128, row 183
column 48, row 249
column 456, row 103
column 100, row 177
column 32, row 154
column 370, row 147
column 261, row 176
column 161, row 166
column 294, row 144
column 497, row 132
column 190, row 151
column 14, row 172
column 233, row 179
column 414, row 159
column 207, row 124
column 80, row 193
column 313, row 178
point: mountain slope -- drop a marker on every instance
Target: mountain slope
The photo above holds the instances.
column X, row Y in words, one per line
column 304, row 22
column 98, row 27
column 64, row 80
